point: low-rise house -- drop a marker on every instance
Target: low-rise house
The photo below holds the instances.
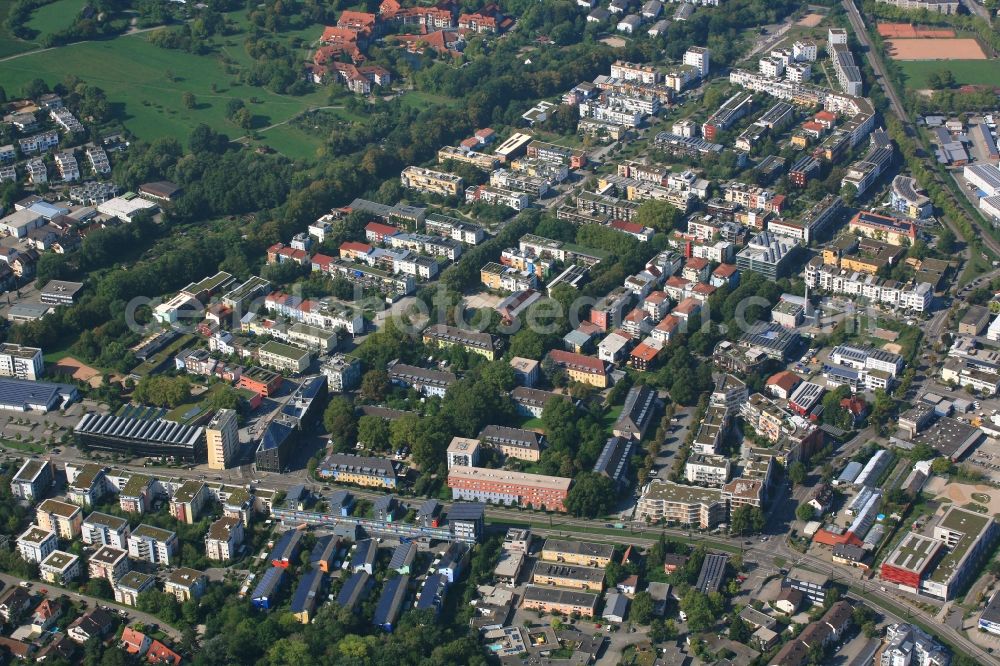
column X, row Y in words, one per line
column 95, row 623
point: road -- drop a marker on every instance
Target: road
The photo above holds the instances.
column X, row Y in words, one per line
column 857, row 23
column 54, row 592
column 637, row 533
column 977, row 9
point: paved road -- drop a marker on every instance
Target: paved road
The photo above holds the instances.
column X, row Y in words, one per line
column 978, row 10
column 899, row 110
column 54, row 592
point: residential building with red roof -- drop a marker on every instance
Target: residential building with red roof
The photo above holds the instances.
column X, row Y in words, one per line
column 667, row 328
column 322, row 262
column 686, row 309
column 159, row 653
column 135, row 642
column 488, row 20
column 355, row 251
column 444, row 42
column 826, row 118
column 360, row 22
column 280, row 253
column 377, row 232
column 580, row 368
column 781, row 384
column 725, row 275
column 677, row 287
column 656, row 304
column 702, row 291
column 644, row 356
column 632, row 229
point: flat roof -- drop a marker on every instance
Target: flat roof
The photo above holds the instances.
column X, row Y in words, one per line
column 568, row 571
column 108, row 555
column 149, row 532
column 59, row 560
column 914, row 553
column 674, row 492
column 483, row 474
column 63, row 509
column 105, row 520
column 553, row 595
column 578, row 548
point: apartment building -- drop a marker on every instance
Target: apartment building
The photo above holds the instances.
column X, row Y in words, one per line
column 709, row 470
column 580, row 368
column 474, row 342
column 152, row 544
column 185, row 584
column 60, row 568
column 429, row 181
column 685, row 505
column 480, row 484
column 579, row 553
column 222, row 439
column 284, row 357
column 188, row 501
column 360, row 470
column 63, row 518
column 554, row 600
column 32, row 480
column 224, row 539
column 109, row 563
column 35, row 544
column 568, row 575
column 21, row 362
column 102, row 529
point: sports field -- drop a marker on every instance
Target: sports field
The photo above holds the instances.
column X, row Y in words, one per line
column 966, row 72
column 934, row 49
column 134, row 74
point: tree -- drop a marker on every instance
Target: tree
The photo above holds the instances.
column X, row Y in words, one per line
column 738, row 629
column 189, row 100
column 805, row 512
column 946, row 241
column 942, row 466
column 642, row 608
column 591, row 495
column 374, row 431
column 747, row 519
column 375, row 385
column 659, row 215
column 696, row 606
column 341, row 423
column 797, row 473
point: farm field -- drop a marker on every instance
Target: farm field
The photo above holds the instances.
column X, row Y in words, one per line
column 55, row 16
column 136, row 76
column 966, row 72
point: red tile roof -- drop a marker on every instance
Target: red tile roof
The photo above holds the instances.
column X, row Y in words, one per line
column 577, row 361
column 696, row 263
column 381, row 229
column 687, row 306
column 668, row 324
column 724, row 270
column 354, row 246
column 656, row 297
column 785, row 380
column 160, row 654
column 628, row 227
column 133, row 640
column 644, row 352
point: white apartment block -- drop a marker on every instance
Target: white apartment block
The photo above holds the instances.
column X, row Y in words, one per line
column 699, row 58
column 152, row 544
column 21, row 362
column 102, row 529
column 35, row 544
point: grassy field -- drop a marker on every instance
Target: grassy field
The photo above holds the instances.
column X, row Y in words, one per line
column 9, row 44
column 966, row 72
column 55, row 16
column 134, row 73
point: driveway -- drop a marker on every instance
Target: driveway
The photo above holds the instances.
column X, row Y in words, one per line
column 54, row 592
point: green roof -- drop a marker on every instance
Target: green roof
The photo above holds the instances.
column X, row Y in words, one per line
column 281, row 349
